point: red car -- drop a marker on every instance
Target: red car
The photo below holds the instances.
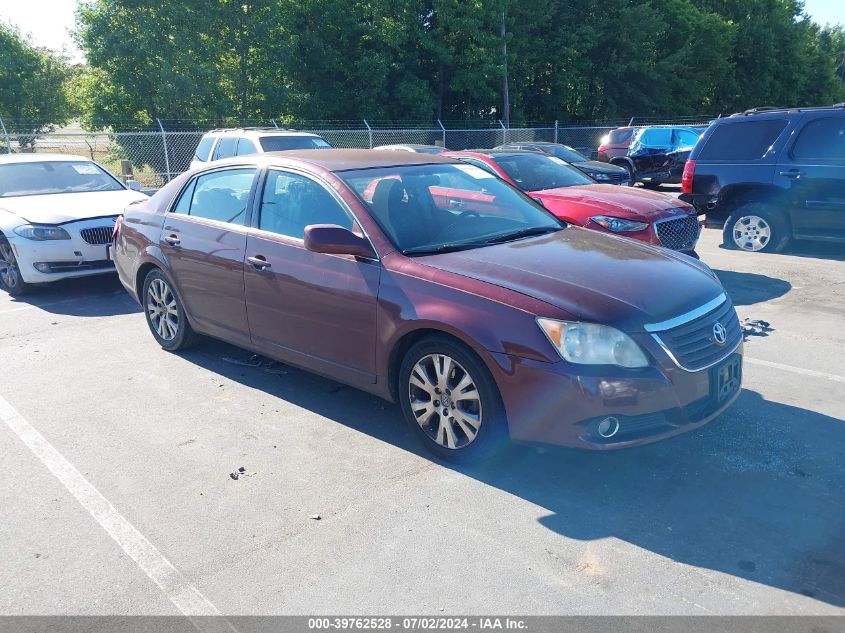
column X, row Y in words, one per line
column 615, row 144
column 484, row 318
column 648, row 216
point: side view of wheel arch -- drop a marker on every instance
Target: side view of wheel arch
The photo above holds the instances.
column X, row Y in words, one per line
column 406, row 341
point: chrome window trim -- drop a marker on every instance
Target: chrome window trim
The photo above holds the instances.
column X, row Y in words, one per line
column 687, row 317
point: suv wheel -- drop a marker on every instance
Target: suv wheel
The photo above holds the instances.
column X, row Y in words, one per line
column 450, row 401
column 165, row 314
column 756, row 228
column 632, row 178
column 10, row 275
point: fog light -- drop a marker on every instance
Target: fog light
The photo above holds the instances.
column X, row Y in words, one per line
column 608, row 427
column 42, row 267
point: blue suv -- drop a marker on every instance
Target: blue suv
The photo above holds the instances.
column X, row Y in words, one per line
column 768, row 175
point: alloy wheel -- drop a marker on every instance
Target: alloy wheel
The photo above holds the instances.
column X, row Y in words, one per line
column 445, row 401
column 162, row 309
column 9, row 273
column 751, row 233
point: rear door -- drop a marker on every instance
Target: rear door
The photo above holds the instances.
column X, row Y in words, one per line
column 318, row 310
column 203, row 240
column 812, row 169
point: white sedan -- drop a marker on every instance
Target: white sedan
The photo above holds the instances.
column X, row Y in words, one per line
column 57, row 214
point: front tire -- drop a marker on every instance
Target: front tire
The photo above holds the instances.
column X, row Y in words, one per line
column 10, row 273
column 450, row 401
column 165, row 314
column 756, row 228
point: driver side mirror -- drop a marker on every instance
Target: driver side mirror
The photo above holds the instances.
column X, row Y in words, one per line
column 134, row 185
column 336, row 240
column 539, row 201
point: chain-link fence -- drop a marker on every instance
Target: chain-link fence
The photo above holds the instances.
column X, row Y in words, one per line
column 157, row 154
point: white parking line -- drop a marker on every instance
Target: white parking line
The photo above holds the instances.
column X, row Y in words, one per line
column 795, row 370
column 175, row 586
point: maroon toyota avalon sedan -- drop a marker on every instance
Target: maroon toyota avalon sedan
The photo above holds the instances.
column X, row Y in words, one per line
column 484, row 321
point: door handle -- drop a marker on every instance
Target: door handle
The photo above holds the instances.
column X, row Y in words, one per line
column 792, row 173
column 259, row 262
column 173, row 240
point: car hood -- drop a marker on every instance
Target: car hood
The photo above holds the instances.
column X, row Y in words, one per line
column 625, row 202
column 591, row 276
column 600, row 167
column 59, row 208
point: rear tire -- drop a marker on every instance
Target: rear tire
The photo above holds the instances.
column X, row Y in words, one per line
column 757, row 228
column 10, row 273
column 450, row 401
column 165, row 314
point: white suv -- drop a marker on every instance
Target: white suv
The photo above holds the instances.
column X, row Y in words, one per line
column 219, row 144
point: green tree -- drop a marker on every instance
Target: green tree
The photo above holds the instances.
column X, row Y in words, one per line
column 32, row 99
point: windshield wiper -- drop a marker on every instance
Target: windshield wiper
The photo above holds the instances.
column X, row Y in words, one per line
column 441, row 248
column 517, row 235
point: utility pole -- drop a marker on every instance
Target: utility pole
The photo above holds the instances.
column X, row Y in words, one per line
column 505, row 96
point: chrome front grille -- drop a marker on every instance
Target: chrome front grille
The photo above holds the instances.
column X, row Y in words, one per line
column 679, row 233
column 692, row 344
column 97, row 235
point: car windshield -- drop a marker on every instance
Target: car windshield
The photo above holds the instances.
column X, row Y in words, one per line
column 535, row 172
column 427, row 209
column 48, row 177
column 277, row 143
column 429, row 150
column 564, row 153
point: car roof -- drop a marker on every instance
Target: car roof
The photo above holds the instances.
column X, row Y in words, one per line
column 40, row 158
column 340, row 159
column 410, row 146
column 260, row 131
column 498, row 152
column 764, row 110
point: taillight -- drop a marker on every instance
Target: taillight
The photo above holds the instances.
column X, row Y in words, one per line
column 689, row 174
column 116, row 231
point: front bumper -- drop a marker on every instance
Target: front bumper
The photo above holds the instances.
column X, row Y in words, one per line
column 563, row 404
column 46, row 261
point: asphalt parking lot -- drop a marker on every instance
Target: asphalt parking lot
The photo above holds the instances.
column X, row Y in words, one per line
column 117, row 496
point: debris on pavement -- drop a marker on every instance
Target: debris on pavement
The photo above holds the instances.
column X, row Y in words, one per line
column 240, row 472
column 755, row 327
column 257, row 361
column 315, row 517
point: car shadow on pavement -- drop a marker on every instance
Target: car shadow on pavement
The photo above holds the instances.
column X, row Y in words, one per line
column 757, row 494
column 809, row 249
column 749, row 288
column 101, row 295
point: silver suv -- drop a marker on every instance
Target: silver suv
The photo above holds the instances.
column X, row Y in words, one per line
column 225, row 143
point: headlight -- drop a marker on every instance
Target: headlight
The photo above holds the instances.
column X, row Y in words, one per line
column 600, row 176
column 592, row 344
column 618, row 225
column 42, row 233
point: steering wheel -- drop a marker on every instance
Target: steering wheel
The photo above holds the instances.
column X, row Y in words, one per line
column 461, row 216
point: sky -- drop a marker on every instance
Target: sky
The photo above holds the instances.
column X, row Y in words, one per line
column 48, row 21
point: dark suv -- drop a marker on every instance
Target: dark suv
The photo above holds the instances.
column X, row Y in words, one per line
column 768, row 175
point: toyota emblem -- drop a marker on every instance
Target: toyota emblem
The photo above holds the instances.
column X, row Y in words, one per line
column 720, row 334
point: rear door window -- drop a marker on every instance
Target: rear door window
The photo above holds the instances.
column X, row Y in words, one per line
column 822, row 140
column 204, row 148
column 220, row 195
column 245, row 146
column 745, row 140
column 620, row 136
column 225, row 148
